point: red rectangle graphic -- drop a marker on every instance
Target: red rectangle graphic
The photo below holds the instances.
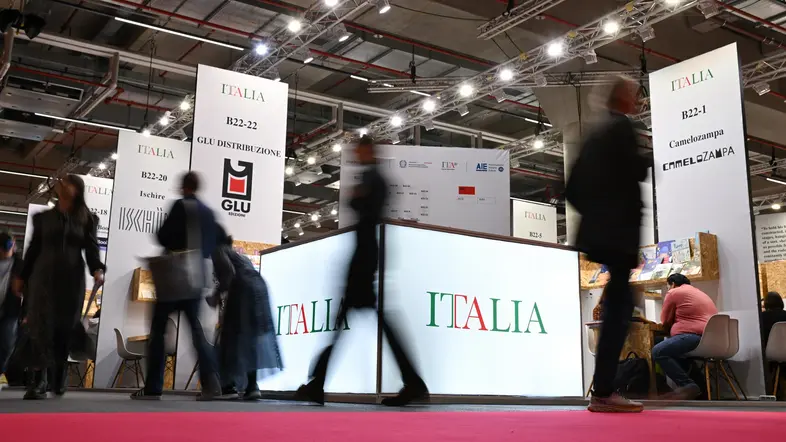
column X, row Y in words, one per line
column 466, row 190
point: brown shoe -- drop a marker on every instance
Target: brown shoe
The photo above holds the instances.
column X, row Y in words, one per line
column 614, row 404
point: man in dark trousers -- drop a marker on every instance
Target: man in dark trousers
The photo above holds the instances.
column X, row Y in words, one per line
column 604, row 189
column 10, row 300
column 367, row 201
column 187, row 214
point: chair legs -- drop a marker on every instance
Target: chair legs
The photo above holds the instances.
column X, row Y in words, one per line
column 736, row 381
column 777, row 379
column 191, row 377
column 728, row 379
column 589, row 390
column 707, row 378
column 136, row 369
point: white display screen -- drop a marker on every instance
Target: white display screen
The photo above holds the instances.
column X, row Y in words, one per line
column 483, row 317
column 306, row 284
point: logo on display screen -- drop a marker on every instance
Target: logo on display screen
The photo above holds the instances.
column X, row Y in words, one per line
column 157, row 152
column 449, row 165
column 467, row 313
column 487, row 167
column 302, row 319
column 141, row 220
column 236, row 189
column 690, row 80
column 242, row 92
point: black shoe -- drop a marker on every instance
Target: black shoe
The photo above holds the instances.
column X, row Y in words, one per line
column 252, row 395
column 37, row 386
column 407, row 395
column 142, row 395
column 211, row 389
column 35, row 394
column 311, row 393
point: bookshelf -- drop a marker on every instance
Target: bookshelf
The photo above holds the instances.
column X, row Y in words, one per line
column 707, row 253
column 772, row 278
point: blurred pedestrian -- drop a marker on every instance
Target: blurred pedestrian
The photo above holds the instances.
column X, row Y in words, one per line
column 10, row 301
column 247, row 337
column 604, row 188
column 368, row 201
column 53, row 277
column 190, row 224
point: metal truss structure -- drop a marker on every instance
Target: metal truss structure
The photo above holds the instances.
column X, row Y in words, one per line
column 528, row 10
column 328, row 213
column 764, row 71
column 637, row 15
column 316, row 21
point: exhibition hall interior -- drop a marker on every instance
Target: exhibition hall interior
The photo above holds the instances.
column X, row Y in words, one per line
column 452, row 187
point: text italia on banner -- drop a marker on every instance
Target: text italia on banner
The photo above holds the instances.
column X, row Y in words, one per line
column 238, row 149
column 147, row 178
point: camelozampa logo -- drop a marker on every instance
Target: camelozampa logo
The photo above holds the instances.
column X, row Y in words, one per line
column 690, row 80
column 236, row 190
column 242, row 92
column 475, row 319
column 158, row 152
column 303, row 318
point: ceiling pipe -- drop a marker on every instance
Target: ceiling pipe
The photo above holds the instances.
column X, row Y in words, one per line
column 339, row 113
column 8, row 45
column 748, row 16
column 299, row 139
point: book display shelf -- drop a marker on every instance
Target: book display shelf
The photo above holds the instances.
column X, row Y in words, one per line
column 696, row 258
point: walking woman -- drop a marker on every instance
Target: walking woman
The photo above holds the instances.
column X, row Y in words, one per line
column 247, row 342
column 54, row 281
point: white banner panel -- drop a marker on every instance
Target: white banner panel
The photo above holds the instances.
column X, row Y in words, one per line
column 701, row 179
column 147, row 178
column 98, row 197
column 460, row 188
column 771, row 237
column 471, row 325
column 534, row 221
column 32, row 209
column 304, row 314
column 240, row 124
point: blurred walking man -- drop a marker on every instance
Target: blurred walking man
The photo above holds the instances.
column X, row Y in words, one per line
column 367, row 201
column 604, row 189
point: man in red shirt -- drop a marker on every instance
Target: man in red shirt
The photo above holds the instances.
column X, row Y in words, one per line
column 685, row 313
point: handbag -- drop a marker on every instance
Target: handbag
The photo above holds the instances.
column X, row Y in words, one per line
column 633, row 377
column 180, row 275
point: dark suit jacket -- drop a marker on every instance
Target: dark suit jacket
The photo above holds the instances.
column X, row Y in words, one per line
column 172, row 234
column 604, row 188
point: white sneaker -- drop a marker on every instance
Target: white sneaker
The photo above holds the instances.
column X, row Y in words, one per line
column 3, row 382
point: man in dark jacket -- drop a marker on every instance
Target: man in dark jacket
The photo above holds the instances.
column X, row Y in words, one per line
column 604, row 189
column 185, row 216
column 10, row 300
column 367, row 202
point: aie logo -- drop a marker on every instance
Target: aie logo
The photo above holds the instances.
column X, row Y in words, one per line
column 449, row 165
column 294, row 318
column 402, row 164
column 474, row 317
column 482, row 167
column 690, row 80
column 159, row 152
column 236, row 189
column 242, row 92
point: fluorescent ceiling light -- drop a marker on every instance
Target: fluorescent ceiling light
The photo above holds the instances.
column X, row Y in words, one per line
column 295, row 212
column 181, row 34
column 343, row 38
column 89, row 123
column 356, row 77
column 422, row 94
column 11, row 212
column 777, row 181
column 30, row 175
column 536, row 122
column 308, row 60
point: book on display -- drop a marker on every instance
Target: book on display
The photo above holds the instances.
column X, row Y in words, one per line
column 680, row 250
column 648, row 270
column 661, row 271
column 664, row 251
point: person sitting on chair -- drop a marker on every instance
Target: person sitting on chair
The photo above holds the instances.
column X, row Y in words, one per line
column 686, row 311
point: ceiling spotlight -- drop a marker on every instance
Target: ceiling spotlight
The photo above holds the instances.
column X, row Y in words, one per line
column 466, row 90
column 383, row 6
column 761, row 88
column 334, row 212
column 646, row 33
column 101, row 166
column 776, row 206
column 336, row 147
column 463, row 110
column 538, row 143
column 295, row 25
column 311, row 160
column 146, row 132
column 261, row 49
column 289, row 171
column 590, row 57
column 611, row 27
column 114, row 156
column 331, row 3
column 343, row 38
column 506, row 75
column 500, row 96
column 396, row 121
column 314, row 217
column 556, row 49
column 318, row 225
column 164, row 121
column 540, row 80
column 50, row 203
column 300, row 232
column 308, row 60
column 428, row 125
column 429, row 105
column 709, row 8
column 185, row 105
column 297, row 225
column 363, row 131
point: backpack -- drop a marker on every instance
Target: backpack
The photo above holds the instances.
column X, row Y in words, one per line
column 633, row 377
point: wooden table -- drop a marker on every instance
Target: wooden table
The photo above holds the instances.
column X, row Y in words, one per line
column 140, row 338
column 640, row 340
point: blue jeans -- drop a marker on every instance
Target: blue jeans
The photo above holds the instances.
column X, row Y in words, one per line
column 670, row 355
column 8, row 327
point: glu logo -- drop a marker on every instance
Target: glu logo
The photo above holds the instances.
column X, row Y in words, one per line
column 236, row 189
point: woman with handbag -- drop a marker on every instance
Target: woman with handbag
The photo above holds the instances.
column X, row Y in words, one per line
column 53, row 277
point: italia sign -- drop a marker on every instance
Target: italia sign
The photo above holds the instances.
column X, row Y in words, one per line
column 690, row 80
column 476, row 316
column 313, row 317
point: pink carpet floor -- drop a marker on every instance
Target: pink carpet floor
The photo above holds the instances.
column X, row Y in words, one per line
column 535, row 426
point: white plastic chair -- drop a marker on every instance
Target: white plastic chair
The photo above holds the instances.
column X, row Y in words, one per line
column 592, row 346
column 713, row 347
column 776, row 350
column 129, row 360
column 734, row 348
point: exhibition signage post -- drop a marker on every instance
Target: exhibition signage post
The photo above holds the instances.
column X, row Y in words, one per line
column 534, row 221
column 702, row 183
column 147, row 177
column 465, row 189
